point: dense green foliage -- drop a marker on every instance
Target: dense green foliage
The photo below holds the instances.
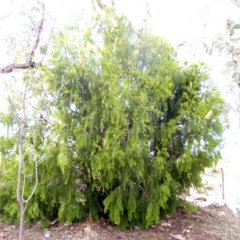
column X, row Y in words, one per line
column 126, row 132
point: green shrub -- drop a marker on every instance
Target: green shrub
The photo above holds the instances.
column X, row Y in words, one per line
column 130, row 131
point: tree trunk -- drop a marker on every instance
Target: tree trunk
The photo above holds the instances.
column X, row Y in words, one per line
column 21, row 225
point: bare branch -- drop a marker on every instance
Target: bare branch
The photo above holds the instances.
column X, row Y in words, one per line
column 100, row 4
column 9, row 68
column 236, row 2
column 30, row 63
column 39, row 31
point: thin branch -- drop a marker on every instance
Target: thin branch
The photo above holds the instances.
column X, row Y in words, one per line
column 48, row 43
column 39, row 31
column 223, row 193
column 24, row 97
column 23, row 186
column 36, row 181
column 12, row 105
column 58, row 91
column 20, row 135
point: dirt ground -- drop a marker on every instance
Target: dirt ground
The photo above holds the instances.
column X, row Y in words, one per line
column 216, row 219
column 213, row 223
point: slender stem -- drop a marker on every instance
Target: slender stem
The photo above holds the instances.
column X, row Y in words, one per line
column 223, row 194
column 36, row 181
column 20, row 162
column 19, row 182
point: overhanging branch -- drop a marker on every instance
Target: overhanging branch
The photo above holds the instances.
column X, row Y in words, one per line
column 9, row 68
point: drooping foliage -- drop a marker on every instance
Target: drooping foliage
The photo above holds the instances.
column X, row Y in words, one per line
column 127, row 132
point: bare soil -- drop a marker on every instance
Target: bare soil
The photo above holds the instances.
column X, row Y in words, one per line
column 213, row 223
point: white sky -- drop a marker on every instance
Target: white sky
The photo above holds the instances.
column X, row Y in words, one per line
column 176, row 20
column 190, row 21
column 193, row 21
